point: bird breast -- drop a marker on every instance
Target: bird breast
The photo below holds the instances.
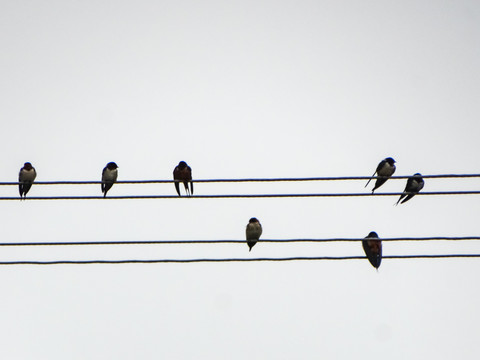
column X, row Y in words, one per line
column 27, row 175
column 254, row 231
column 110, row 175
column 386, row 170
column 417, row 185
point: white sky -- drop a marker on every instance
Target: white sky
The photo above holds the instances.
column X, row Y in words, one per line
column 239, row 89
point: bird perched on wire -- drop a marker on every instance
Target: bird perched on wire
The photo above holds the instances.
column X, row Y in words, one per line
column 373, row 249
column 109, row 176
column 25, row 179
column 253, row 232
column 183, row 172
column 415, row 183
column 385, row 169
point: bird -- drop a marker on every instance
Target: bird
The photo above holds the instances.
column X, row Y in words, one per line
column 183, row 172
column 385, row 169
column 109, row 176
column 415, row 183
column 25, row 179
column 373, row 249
column 253, row 232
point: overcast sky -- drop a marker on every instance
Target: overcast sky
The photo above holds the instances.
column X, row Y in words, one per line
column 239, row 89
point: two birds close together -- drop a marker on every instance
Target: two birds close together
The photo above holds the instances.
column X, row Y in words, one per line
column 181, row 173
column 385, row 170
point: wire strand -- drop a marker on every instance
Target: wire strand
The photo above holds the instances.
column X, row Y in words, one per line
column 111, row 262
column 325, row 178
column 186, row 242
column 234, row 196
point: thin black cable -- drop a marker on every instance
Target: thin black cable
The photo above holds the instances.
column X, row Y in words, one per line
column 325, row 178
column 235, row 196
column 186, row 242
column 111, row 262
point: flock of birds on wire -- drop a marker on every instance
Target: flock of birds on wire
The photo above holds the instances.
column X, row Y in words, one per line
column 372, row 245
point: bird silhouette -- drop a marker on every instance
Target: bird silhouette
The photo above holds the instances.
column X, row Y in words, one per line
column 253, row 232
column 183, row 172
column 385, row 169
column 109, row 176
column 415, row 183
column 25, row 179
column 373, row 249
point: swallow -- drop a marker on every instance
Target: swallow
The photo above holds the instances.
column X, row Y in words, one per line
column 373, row 249
column 109, row 176
column 385, row 169
column 253, row 232
column 25, row 179
column 183, row 172
column 415, row 183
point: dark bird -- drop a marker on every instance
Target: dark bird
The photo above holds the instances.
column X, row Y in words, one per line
column 183, row 172
column 373, row 249
column 385, row 169
column 415, row 183
column 109, row 176
column 25, row 179
column 253, row 232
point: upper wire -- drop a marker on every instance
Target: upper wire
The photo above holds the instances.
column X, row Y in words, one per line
column 327, row 178
column 185, row 242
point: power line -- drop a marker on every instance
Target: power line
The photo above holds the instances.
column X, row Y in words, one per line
column 326, row 178
column 236, row 196
column 186, row 242
column 154, row 261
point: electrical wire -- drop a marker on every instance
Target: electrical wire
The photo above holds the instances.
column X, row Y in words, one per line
column 154, row 261
column 325, row 178
column 187, row 242
column 235, row 196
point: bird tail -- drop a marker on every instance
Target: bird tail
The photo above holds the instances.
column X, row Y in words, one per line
column 411, row 195
column 368, row 182
column 401, row 197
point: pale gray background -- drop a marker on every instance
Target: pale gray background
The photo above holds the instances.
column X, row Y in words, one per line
column 239, row 89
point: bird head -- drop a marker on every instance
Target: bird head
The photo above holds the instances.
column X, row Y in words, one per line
column 390, row 161
column 112, row 166
column 182, row 165
column 27, row 166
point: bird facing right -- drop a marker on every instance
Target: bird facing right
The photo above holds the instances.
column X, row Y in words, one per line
column 385, row 169
column 25, row 179
column 415, row 183
column 253, row 232
column 109, row 176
